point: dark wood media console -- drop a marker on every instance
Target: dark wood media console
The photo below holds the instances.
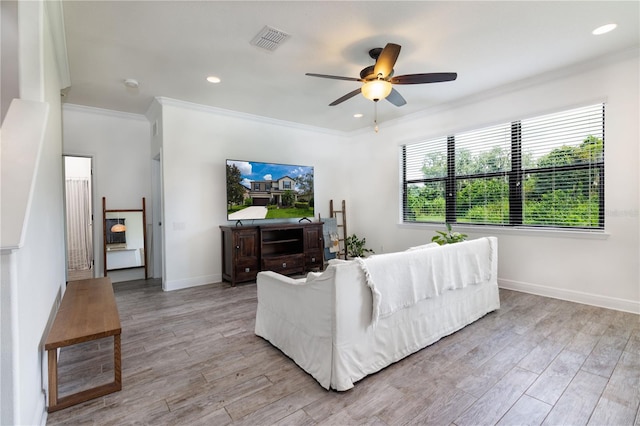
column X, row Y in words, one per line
column 284, row 248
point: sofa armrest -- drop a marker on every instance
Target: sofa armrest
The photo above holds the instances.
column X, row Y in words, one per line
column 304, row 305
column 296, row 316
column 270, row 276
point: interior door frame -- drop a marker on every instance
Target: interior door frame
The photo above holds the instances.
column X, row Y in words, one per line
column 92, row 206
column 158, row 214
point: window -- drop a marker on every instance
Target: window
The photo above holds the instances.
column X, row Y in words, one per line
column 425, row 171
column 482, row 163
column 545, row 171
column 563, row 169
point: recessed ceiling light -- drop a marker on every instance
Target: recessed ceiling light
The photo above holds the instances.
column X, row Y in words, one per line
column 604, row 29
column 213, row 79
column 131, row 83
column 358, row 115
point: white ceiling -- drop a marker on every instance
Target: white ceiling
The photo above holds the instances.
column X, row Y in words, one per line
column 170, row 47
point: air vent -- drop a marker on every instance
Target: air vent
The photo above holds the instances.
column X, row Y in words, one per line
column 269, row 38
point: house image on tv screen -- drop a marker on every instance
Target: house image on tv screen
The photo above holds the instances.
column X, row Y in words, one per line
column 257, row 190
column 265, row 192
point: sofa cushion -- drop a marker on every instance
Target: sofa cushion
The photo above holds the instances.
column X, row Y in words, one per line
column 312, row 276
column 339, row 261
column 424, row 246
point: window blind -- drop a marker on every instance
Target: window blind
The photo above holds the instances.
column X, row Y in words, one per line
column 482, row 161
column 563, row 168
column 542, row 171
column 424, row 179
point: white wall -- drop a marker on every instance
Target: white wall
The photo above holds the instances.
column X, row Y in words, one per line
column 37, row 267
column 119, row 144
column 196, row 142
column 9, row 55
column 602, row 271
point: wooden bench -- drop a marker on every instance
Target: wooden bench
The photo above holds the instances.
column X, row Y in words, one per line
column 87, row 312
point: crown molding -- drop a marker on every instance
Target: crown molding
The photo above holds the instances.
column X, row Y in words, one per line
column 549, row 76
column 102, row 111
column 246, row 116
column 154, row 110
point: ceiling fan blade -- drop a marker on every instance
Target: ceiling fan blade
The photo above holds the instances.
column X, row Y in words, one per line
column 433, row 77
column 386, row 60
column 396, row 98
column 333, row 77
column 345, row 97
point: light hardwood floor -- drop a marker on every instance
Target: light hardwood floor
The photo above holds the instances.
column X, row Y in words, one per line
column 191, row 357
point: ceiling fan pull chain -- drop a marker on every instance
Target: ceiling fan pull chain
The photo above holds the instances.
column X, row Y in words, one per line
column 375, row 116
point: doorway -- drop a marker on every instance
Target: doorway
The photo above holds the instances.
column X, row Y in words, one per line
column 79, row 217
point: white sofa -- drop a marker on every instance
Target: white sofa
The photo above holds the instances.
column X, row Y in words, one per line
column 359, row 316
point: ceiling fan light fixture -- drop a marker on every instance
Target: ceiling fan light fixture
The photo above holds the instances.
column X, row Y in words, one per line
column 376, row 89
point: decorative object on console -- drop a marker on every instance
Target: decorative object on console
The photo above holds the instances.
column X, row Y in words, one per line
column 448, row 237
column 331, row 238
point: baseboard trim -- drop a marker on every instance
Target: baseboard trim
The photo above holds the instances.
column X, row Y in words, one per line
column 615, row 303
column 191, row 282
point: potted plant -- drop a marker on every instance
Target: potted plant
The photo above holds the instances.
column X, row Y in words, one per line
column 448, row 237
column 356, row 246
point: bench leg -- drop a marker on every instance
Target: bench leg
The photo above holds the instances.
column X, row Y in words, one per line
column 53, row 377
column 117, row 362
column 56, row 404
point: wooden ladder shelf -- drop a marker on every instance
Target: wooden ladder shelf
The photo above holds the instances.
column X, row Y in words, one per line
column 341, row 221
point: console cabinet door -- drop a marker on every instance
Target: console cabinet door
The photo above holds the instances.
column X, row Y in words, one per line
column 246, row 254
column 240, row 254
column 313, row 247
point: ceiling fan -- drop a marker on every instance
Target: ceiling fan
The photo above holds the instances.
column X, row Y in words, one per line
column 378, row 79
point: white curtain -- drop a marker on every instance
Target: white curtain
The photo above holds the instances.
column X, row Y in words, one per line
column 79, row 232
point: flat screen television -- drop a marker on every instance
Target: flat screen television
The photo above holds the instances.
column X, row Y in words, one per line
column 258, row 190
